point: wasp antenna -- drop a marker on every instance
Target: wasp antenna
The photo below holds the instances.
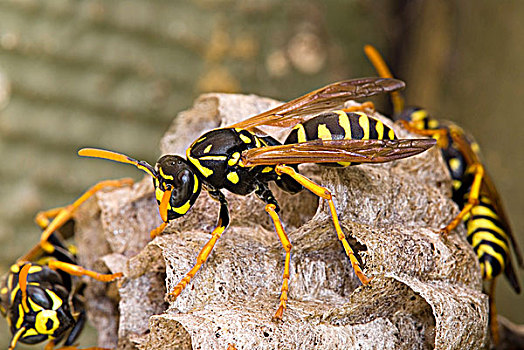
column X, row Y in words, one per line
column 383, row 71
column 117, row 157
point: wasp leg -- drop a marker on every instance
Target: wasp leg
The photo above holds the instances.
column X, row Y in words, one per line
column 80, row 271
column 473, row 198
column 62, row 215
column 222, row 224
column 286, row 244
column 439, row 134
column 231, row 347
column 324, row 193
column 365, row 106
column 272, row 208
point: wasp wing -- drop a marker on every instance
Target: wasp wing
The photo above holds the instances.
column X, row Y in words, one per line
column 329, row 97
column 332, row 151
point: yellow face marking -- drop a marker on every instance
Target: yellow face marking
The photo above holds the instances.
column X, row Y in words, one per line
column 245, row 138
column 42, row 319
column 10, row 281
column 233, row 177
column 168, row 177
column 234, row 159
column 182, row 209
column 208, row 148
column 267, row 169
column 34, row 306
column 21, row 314
column 323, row 132
column 218, row 158
column 343, row 121
column 195, row 186
column 34, row 269
column 433, row 124
column 159, row 194
column 14, row 291
column 363, row 121
column 380, row 130
column 57, row 302
column 391, row 134
column 203, row 170
column 454, row 164
column 30, row 332
column 301, row 133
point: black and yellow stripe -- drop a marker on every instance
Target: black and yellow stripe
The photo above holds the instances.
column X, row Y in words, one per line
column 487, row 235
column 341, row 125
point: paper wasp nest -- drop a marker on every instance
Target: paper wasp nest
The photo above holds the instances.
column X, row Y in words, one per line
column 426, row 291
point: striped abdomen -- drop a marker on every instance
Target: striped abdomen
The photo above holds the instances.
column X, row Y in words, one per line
column 340, row 125
column 490, row 241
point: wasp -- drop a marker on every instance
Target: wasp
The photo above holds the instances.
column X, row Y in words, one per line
column 243, row 160
column 487, row 226
column 40, row 298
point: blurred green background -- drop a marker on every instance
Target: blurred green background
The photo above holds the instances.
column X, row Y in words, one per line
column 113, row 74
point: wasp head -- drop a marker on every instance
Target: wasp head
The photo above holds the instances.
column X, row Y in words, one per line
column 175, row 173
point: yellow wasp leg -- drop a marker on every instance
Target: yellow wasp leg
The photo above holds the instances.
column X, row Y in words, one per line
column 62, row 215
column 365, row 106
column 223, row 223
column 324, row 193
column 473, row 198
column 439, row 134
column 163, row 213
column 80, row 271
column 43, row 218
column 286, row 244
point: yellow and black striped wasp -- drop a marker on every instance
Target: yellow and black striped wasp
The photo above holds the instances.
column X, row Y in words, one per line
column 40, row 298
column 474, row 192
column 242, row 160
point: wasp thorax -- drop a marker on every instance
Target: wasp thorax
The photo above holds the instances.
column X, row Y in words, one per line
column 175, row 173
